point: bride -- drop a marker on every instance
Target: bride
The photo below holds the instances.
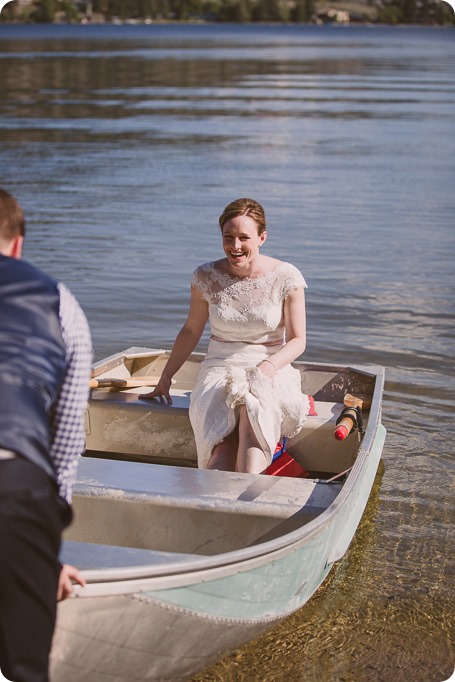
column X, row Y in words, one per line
column 247, row 394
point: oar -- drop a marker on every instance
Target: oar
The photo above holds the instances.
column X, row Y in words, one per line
column 350, row 415
column 363, row 402
column 134, row 382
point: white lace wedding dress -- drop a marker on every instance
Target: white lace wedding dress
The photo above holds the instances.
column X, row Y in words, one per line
column 247, row 325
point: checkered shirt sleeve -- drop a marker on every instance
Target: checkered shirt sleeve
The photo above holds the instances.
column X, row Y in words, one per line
column 67, row 422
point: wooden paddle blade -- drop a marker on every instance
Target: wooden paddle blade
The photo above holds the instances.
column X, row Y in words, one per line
column 364, row 402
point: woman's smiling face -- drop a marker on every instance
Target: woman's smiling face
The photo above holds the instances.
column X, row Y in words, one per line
column 241, row 241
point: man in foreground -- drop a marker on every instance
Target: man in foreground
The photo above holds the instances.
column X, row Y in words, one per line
column 45, row 357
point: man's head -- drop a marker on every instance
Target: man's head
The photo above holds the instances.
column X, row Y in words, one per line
column 12, row 225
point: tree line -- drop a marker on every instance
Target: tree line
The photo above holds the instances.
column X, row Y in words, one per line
column 236, row 11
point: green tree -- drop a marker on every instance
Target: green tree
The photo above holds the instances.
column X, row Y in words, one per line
column 45, row 11
column 71, row 13
column 303, row 11
column 237, row 11
column 415, row 12
column 8, row 13
column 409, row 11
column 270, row 10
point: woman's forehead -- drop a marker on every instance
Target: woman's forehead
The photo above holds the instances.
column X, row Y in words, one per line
column 240, row 224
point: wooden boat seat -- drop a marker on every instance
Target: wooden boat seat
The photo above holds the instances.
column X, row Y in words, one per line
column 127, row 427
column 163, row 507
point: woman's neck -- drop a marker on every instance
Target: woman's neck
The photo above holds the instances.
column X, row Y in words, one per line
column 259, row 266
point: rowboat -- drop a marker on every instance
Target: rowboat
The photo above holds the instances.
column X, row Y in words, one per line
column 183, row 564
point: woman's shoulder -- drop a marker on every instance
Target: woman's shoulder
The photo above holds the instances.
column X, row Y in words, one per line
column 283, row 267
column 291, row 276
column 271, row 264
column 290, row 267
column 272, row 267
column 214, row 269
column 205, row 273
column 204, row 268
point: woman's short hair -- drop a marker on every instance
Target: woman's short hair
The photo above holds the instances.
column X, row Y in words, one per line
column 244, row 206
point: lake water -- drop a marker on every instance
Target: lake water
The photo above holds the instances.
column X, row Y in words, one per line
column 124, row 143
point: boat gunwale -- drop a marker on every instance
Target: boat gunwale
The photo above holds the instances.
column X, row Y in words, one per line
column 265, row 550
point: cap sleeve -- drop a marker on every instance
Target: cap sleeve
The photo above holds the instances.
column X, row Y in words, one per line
column 200, row 280
column 293, row 279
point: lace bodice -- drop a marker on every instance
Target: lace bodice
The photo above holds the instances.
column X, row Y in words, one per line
column 249, row 310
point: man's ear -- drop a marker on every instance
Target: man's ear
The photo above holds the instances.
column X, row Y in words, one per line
column 15, row 247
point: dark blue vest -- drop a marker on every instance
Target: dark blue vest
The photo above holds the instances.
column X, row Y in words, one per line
column 32, row 360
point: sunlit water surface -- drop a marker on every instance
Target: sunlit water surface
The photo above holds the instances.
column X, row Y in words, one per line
column 124, row 143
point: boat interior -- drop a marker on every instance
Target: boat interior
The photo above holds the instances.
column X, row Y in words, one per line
column 190, row 511
column 122, row 425
column 149, row 515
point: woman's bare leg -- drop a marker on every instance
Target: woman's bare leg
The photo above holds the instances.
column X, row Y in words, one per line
column 224, row 454
column 250, row 458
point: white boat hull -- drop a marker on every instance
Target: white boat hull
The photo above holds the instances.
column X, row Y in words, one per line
column 183, row 606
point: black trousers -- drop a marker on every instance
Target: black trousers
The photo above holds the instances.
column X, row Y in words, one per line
column 30, row 532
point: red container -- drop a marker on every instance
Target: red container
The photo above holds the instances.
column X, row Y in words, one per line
column 285, row 465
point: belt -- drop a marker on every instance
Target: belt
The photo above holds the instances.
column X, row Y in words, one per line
column 17, row 474
column 7, row 454
column 278, row 342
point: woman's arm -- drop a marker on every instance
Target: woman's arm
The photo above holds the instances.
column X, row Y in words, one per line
column 184, row 344
column 295, row 324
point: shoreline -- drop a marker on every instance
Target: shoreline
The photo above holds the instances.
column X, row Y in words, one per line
column 200, row 22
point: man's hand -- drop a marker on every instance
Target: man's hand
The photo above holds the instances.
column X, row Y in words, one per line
column 68, row 575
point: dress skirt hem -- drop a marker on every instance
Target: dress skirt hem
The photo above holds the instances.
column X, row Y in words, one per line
column 228, row 378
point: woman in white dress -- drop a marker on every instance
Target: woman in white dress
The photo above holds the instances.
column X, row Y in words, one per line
column 247, row 394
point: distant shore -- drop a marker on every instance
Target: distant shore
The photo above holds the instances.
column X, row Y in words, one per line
column 206, row 22
column 275, row 12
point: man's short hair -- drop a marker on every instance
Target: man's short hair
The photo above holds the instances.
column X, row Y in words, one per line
column 12, row 221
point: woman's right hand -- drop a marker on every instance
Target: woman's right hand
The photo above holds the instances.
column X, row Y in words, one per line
column 162, row 389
